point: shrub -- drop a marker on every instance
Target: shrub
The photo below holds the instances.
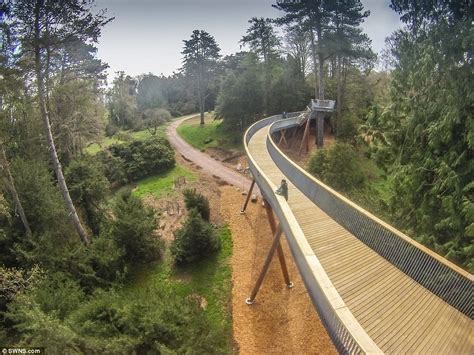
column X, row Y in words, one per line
column 124, row 136
column 196, row 200
column 143, row 158
column 132, row 229
column 111, row 130
column 339, row 166
column 114, row 168
column 136, row 160
column 195, row 240
column 88, row 187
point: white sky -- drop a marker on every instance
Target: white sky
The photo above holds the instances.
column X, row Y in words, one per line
column 147, row 35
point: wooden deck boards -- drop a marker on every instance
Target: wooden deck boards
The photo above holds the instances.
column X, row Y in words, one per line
column 400, row 315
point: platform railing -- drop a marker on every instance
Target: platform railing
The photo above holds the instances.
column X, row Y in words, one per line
column 443, row 278
column 345, row 331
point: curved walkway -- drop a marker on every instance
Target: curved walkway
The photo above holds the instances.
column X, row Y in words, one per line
column 398, row 314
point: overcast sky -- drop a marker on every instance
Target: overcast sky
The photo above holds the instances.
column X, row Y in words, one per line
column 147, row 35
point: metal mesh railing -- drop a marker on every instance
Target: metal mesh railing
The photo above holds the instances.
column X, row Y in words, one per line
column 439, row 277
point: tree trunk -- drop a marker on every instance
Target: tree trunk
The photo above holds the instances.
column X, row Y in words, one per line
column 201, row 96
column 315, row 66
column 339, row 94
column 10, row 183
column 321, row 66
column 49, row 135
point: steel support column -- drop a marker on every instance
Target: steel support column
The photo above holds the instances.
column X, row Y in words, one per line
column 242, row 211
column 276, row 242
column 281, row 255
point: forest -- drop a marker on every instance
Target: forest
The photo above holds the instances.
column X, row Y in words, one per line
column 74, row 234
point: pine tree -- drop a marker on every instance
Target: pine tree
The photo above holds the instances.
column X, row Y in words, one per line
column 314, row 17
column 430, row 129
column 201, row 54
column 43, row 26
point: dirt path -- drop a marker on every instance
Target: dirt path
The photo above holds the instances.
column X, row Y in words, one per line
column 205, row 162
column 281, row 321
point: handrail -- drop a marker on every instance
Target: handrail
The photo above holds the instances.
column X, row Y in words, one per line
column 345, row 331
column 443, row 278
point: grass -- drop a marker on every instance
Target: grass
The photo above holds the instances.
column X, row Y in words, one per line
column 162, row 184
column 124, row 136
column 211, row 135
column 209, row 279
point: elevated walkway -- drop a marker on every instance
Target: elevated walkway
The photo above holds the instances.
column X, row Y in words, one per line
column 375, row 289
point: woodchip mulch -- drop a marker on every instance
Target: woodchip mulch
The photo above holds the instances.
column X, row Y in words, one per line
column 280, row 320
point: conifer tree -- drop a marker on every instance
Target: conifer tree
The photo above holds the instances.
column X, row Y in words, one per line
column 200, row 56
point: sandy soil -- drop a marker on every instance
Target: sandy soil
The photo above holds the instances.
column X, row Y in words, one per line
column 281, row 320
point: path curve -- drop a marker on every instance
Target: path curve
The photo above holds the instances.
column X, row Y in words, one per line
column 209, row 165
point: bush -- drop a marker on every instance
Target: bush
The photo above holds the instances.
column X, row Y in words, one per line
column 136, row 160
column 195, row 240
column 88, row 187
column 142, row 158
column 339, row 166
column 132, row 229
column 124, row 136
column 196, row 200
column 111, row 130
column 155, row 320
column 114, row 168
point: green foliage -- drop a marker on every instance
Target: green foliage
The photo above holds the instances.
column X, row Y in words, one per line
column 59, row 295
column 429, row 127
column 195, row 240
column 88, row 187
column 40, row 198
column 138, row 159
column 155, row 318
column 153, row 118
column 122, row 102
column 150, row 92
column 240, row 101
column 133, row 229
column 81, row 112
column 339, row 167
column 196, row 200
column 261, row 38
column 200, row 55
column 288, row 89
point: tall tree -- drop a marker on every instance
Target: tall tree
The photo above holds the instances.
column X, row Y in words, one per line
column 200, row 62
column 122, row 101
column 240, row 101
column 261, row 38
column 314, row 17
column 429, row 126
column 9, row 182
column 263, row 41
column 150, row 92
column 346, row 44
column 298, row 45
column 44, row 26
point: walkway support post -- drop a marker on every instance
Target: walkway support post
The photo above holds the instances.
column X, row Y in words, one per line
column 283, row 138
column 305, row 141
column 276, row 242
column 242, row 211
column 281, row 255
